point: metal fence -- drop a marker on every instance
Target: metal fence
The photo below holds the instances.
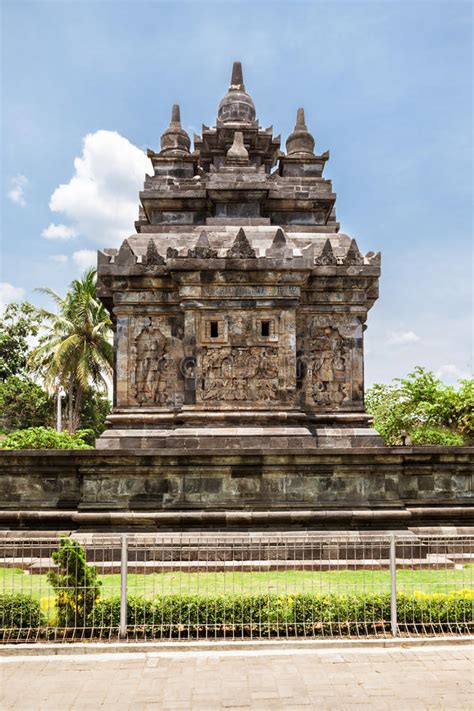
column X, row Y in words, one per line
column 234, row 586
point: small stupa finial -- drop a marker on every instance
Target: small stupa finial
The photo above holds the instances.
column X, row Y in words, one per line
column 237, row 153
column 300, row 142
column 236, row 106
column 175, row 140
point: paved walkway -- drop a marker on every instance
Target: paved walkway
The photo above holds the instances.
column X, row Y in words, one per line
column 401, row 679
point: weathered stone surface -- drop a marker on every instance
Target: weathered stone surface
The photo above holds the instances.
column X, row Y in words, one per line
column 238, row 296
column 153, row 259
column 379, row 487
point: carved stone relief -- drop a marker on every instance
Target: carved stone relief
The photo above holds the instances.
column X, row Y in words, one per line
column 239, row 373
column 156, row 358
column 327, row 349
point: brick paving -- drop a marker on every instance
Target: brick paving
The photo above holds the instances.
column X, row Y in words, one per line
column 402, row 679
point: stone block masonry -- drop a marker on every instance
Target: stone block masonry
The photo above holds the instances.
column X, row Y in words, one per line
column 174, row 490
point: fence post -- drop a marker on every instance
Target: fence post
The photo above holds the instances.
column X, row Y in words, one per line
column 393, row 586
column 123, row 587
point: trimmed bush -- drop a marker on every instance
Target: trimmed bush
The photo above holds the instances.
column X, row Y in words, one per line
column 46, row 438
column 418, row 611
column 20, row 611
column 341, row 614
column 298, row 614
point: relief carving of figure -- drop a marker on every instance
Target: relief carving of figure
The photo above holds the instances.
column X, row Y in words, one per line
column 268, row 365
column 157, row 380
column 329, row 358
column 266, row 389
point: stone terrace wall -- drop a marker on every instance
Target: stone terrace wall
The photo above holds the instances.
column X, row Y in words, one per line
column 362, row 487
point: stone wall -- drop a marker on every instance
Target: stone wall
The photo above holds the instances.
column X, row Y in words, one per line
column 379, row 487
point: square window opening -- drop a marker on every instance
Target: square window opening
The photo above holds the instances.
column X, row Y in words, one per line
column 265, row 328
column 214, row 329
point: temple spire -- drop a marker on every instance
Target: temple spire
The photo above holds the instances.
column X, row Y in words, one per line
column 300, row 142
column 237, row 78
column 176, row 114
column 300, row 122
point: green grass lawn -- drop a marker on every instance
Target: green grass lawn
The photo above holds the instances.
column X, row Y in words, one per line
column 14, row 580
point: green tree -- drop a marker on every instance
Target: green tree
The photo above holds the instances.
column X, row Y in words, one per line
column 75, row 583
column 463, row 408
column 76, row 348
column 424, row 408
column 24, row 403
column 94, row 411
column 19, row 324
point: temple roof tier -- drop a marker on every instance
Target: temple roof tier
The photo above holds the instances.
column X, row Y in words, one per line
column 237, row 174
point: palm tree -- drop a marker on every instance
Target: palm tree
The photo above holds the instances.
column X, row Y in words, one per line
column 76, row 350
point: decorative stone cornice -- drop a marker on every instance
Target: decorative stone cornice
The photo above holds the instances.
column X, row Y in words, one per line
column 152, row 258
column 326, row 258
column 241, row 248
column 353, row 256
column 202, row 249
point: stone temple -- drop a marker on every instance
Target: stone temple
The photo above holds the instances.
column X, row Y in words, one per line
column 239, row 309
column 239, row 312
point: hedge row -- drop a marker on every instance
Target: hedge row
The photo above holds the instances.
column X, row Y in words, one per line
column 295, row 614
column 178, row 615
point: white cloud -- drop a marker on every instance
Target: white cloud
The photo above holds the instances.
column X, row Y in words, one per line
column 58, row 232
column 9, row 293
column 101, row 199
column 85, row 258
column 59, row 258
column 16, row 193
column 450, row 373
column 403, row 338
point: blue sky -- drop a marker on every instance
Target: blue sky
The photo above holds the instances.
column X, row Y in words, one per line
column 387, row 88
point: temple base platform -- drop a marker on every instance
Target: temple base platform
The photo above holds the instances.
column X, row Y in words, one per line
column 237, row 430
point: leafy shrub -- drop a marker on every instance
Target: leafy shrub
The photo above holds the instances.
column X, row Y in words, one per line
column 436, row 435
column 75, row 583
column 297, row 614
column 341, row 614
column 106, row 612
column 266, row 615
column 424, row 408
column 423, row 611
column 20, row 611
column 45, row 438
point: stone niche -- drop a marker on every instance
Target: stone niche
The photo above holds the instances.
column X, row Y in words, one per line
column 238, row 305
